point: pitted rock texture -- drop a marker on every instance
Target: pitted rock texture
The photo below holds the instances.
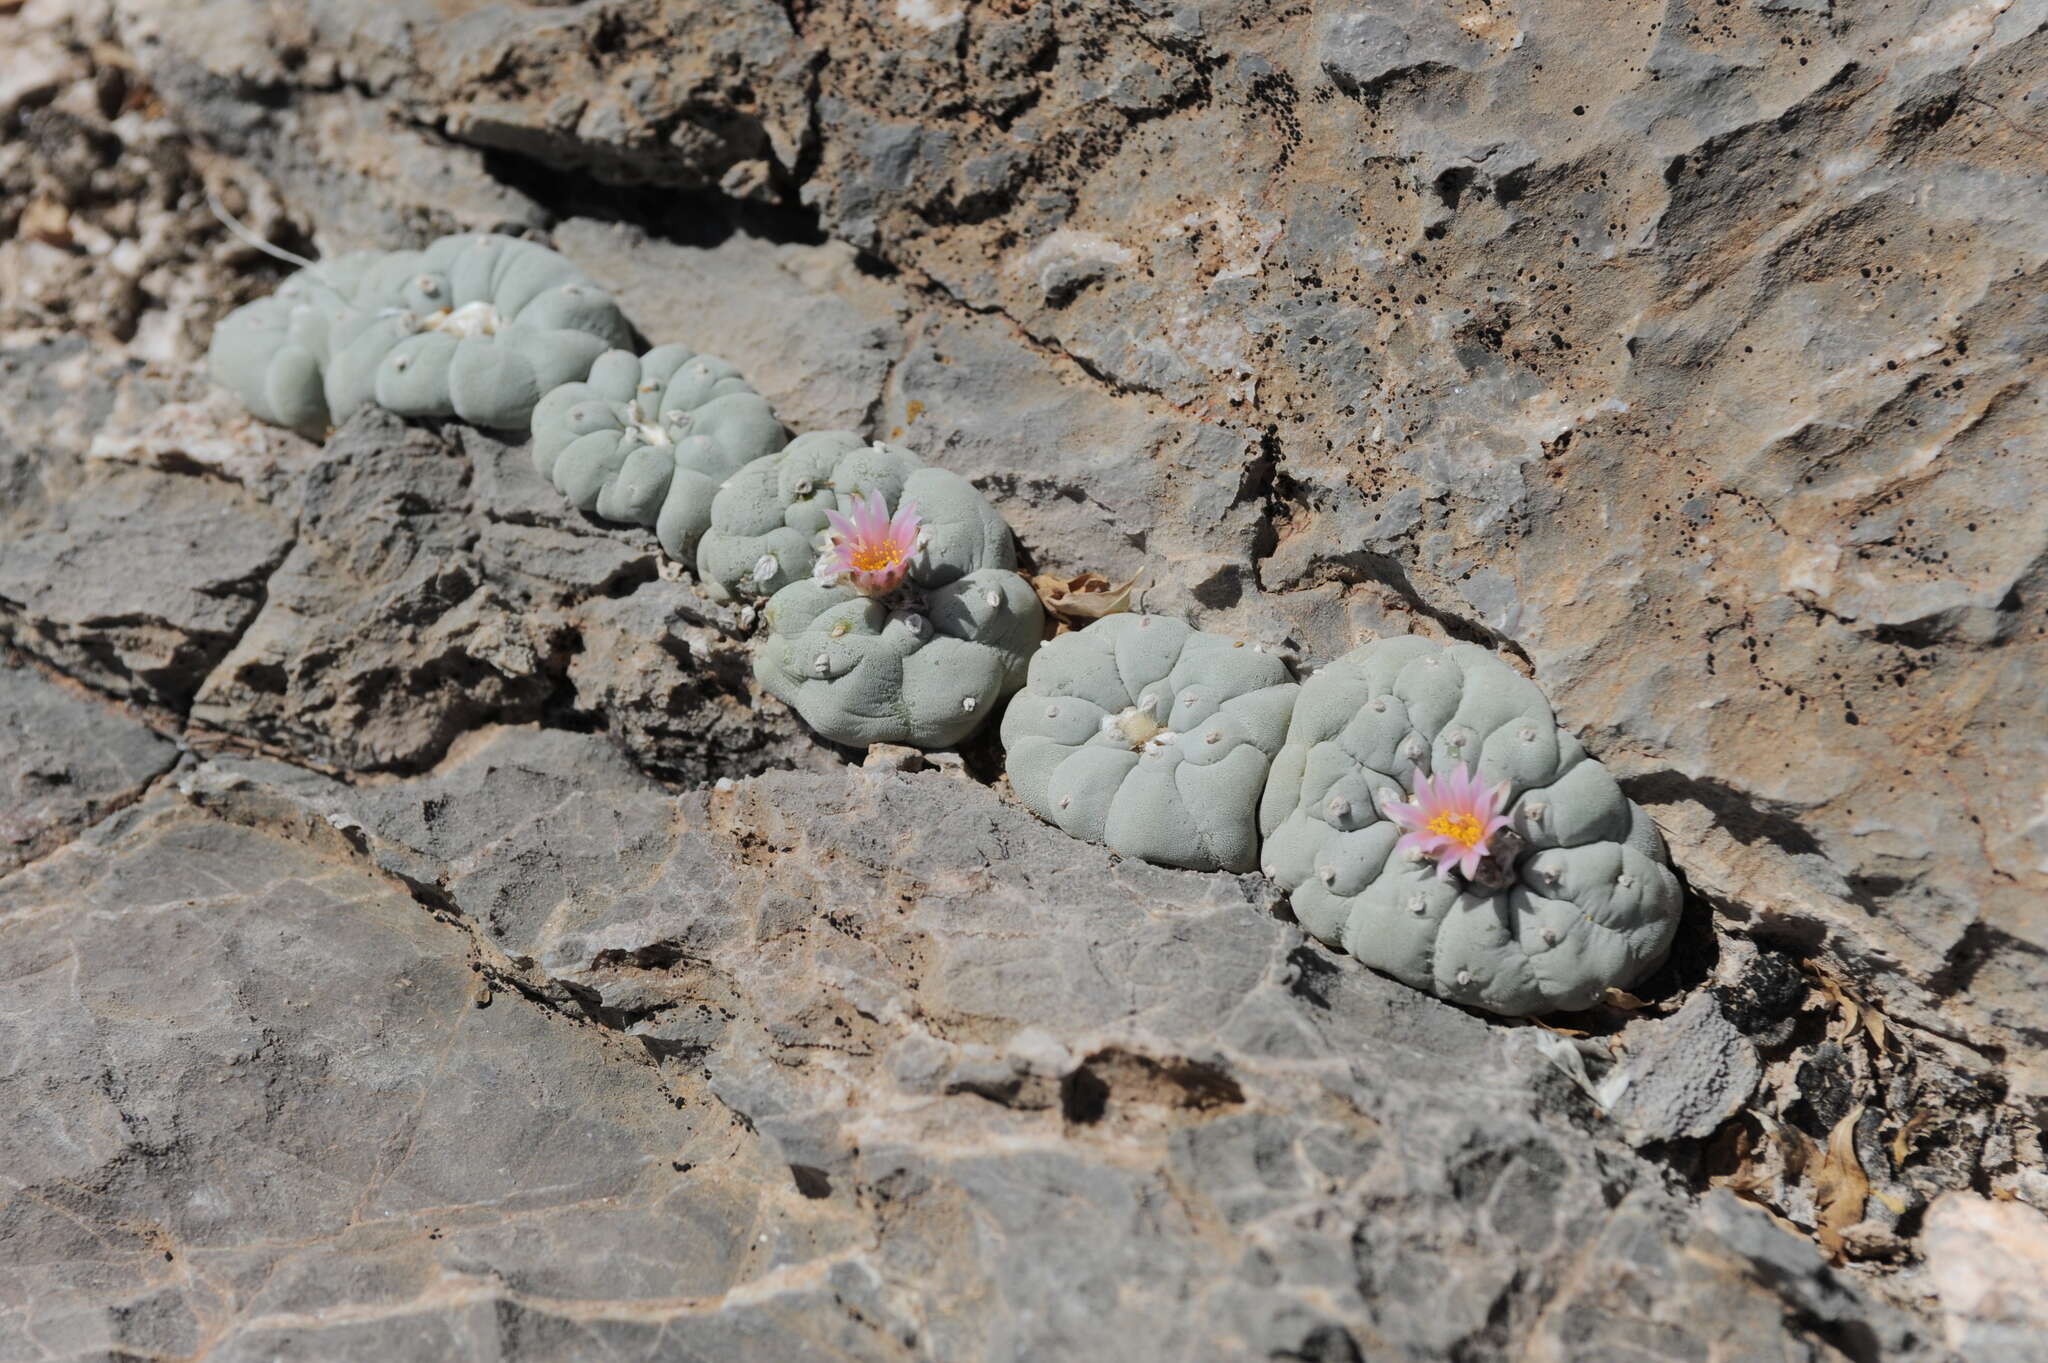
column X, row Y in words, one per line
column 140, row 582
column 1041, row 1097
column 1567, row 329
column 66, row 761
column 1682, row 348
column 283, row 1119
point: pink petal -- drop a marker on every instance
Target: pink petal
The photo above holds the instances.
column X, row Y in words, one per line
column 1468, row 788
column 841, row 526
column 858, row 518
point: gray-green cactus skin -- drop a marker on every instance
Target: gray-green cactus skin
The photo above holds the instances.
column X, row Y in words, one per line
column 925, row 666
column 768, row 519
column 477, row 327
column 1589, row 903
column 273, row 353
column 650, row 439
column 1152, row 738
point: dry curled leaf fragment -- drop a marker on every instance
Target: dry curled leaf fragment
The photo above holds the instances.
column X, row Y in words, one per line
column 1852, row 1013
column 1902, row 1143
column 1840, row 1186
column 1076, row 601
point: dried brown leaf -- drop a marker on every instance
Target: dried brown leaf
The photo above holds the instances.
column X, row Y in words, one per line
column 1621, row 998
column 1076, row 601
column 1840, row 1186
column 1852, row 1012
column 1902, row 1143
column 1844, row 1006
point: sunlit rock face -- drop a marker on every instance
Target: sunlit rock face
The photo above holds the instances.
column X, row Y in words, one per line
column 387, row 973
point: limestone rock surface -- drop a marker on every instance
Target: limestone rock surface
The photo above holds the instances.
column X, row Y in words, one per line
column 1691, row 354
column 428, row 942
column 66, row 761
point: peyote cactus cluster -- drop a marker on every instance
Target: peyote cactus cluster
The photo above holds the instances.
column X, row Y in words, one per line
column 476, row 327
column 894, row 610
column 1419, row 803
column 1428, row 816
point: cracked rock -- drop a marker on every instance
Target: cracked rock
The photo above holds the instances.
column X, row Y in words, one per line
column 65, row 762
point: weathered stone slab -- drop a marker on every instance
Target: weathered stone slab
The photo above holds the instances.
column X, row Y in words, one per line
column 65, row 761
column 1077, row 1097
column 437, row 584
column 1516, row 323
column 139, row 582
column 273, row 1119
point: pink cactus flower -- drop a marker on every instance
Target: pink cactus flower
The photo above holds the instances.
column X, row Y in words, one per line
column 870, row 550
column 1453, row 819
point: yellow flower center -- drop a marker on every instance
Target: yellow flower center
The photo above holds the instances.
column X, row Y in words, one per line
column 1458, row 827
column 874, row 558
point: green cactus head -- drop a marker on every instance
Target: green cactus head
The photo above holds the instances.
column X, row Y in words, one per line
column 1428, row 816
column 1151, row 737
column 475, row 327
column 771, row 520
column 650, row 440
